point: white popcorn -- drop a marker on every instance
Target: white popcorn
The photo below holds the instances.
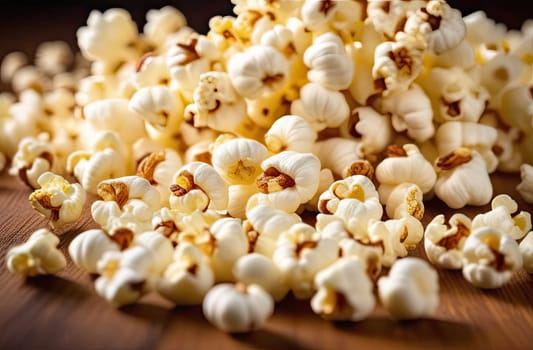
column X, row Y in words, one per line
column 405, row 234
column 499, row 72
column 325, row 179
column 410, row 290
column 444, row 243
column 53, row 57
column 188, row 278
column 197, row 185
column 462, row 55
column 291, row 133
column 328, row 63
column 87, row 248
column 258, row 71
column 321, row 107
column 188, row 59
column 237, row 308
column 263, row 227
column 114, row 115
column 159, row 245
column 442, row 26
column 96, row 87
column 398, row 63
column 161, row 23
column 339, row 154
column 368, row 253
column 490, row 258
column 37, row 256
column 58, row 200
column 282, row 39
column 344, row 291
column 238, row 196
column 289, row 177
column 300, row 254
column 34, row 157
column 264, row 111
column 108, row 36
column 159, row 168
column 526, row 250
column 411, row 111
column 525, row 187
column 455, row 95
column 388, row 16
column 238, row 161
column 216, row 103
column 463, row 179
column 30, row 78
column 200, row 151
column 515, row 107
column 405, row 199
column 125, row 276
column 501, row 217
column 480, row 29
column 258, row 269
column 129, row 198
column 11, row 63
column 367, row 123
column 158, row 106
column 105, row 161
column 151, row 70
column 404, row 165
column 357, row 187
column 479, row 137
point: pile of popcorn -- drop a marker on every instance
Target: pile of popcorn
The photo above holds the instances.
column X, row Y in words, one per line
column 205, row 153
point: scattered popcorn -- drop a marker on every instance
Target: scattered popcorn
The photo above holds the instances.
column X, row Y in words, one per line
column 37, row 256
column 266, row 152
column 237, row 308
column 58, row 200
column 490, row 258
column 344, row 291
column 410, row 290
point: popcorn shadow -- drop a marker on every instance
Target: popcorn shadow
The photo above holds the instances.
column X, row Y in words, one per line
column 265, row 339
column 147, row 311
column 420, row 332
column 58, row 288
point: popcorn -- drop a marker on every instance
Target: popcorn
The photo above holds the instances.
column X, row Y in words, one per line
column 87, row 248
column 58, row 200
column 525, row 187
column 258, row 269
column 198, row 186
column 263, row 226
column 125, row 276
column 34, row 157
column 369, row 254
column 526, row 250
column 37, row 256
column 444, row 243
column 367, row 123
column 159, row 168
column 388, row 16
column 289, row 178
column 300, row 254
column 238, row 161
column 216, row 103
column 151, row 70
column 321, row 107
column 188, row 277
column 490, row 258
column 188, row 59
column 161, row 23
column 291, row 133
column 328, row 63
column 410, row 290
column 344, row 291
column 339, row 154
column 160, row 247
column 404, row 165
column 463, row 179
column 53, row 57
column 258, row 71
column 501, row 218
column 411, row 111
column 441, row 25
column 11, row 63
column 158, row 106
column 405, row 200
column 237, row 308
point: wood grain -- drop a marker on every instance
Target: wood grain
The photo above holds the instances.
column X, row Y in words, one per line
column 63, row 311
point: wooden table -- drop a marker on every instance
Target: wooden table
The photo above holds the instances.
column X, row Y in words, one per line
column 64, row 312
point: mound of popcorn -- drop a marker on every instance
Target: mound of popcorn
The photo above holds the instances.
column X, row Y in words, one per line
column 206, row 152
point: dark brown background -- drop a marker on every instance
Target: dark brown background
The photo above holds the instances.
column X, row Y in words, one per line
column 63, row 312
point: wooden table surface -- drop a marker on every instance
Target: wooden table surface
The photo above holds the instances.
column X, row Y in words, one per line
column 64, row 312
